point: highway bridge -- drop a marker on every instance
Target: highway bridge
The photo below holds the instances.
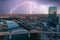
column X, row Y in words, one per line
column 25, row 31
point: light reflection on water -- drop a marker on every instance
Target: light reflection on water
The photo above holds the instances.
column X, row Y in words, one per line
column 11, row 24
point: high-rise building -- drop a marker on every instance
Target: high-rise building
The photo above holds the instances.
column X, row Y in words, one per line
column 53, row 18
column 52, row 11
column 59, row 18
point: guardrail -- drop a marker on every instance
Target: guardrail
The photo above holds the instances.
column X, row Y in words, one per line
column 25, row 31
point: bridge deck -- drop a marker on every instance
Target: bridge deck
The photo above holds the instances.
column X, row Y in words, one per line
column 25, row 31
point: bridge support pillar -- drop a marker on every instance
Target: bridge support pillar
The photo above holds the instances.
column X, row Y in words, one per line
column 10, row 36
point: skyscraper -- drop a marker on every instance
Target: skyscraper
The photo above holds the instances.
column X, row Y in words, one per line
column 53, row 18
column 52, row 11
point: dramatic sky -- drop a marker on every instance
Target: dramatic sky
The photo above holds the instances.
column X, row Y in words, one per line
column 30, row 7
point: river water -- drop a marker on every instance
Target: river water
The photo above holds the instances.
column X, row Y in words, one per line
column 12, row 24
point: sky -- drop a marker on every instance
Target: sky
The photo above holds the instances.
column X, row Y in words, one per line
column 28, row 6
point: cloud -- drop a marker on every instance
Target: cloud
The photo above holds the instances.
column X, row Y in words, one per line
column 40, row 6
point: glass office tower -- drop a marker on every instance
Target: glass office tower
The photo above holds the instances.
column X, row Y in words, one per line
column 53, row 18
